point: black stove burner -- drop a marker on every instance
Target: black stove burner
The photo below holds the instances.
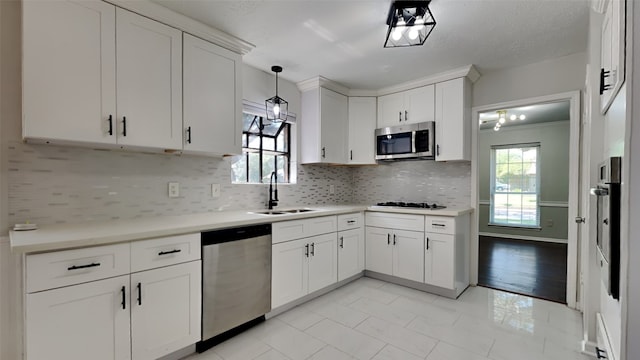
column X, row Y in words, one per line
column 425, row 205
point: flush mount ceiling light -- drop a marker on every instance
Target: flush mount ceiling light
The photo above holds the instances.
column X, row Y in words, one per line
column 502, row 118
column 277, row 107
column 410, row 23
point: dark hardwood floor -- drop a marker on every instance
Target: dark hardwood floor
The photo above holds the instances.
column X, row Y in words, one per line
column 533, row 268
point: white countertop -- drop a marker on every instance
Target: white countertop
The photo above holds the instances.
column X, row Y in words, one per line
column 70, row 235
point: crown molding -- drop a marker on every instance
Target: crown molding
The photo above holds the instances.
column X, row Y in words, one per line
column 186, row 24
column 321, row 81
column 468, row 71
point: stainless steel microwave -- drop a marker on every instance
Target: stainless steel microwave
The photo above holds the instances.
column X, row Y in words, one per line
column 406, row 141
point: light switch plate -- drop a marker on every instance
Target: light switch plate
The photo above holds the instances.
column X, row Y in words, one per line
column 215, row 190
column 174, row 189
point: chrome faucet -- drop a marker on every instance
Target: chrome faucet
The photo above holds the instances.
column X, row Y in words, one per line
column 273, row 191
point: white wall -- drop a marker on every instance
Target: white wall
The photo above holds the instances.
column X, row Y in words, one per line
column 539, row 79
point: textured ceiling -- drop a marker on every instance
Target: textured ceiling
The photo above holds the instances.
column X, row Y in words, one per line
column 535, row 114
column 342, row 40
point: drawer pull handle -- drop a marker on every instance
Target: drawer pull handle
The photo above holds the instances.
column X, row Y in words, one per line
column 351, row 221
column 78, row 267
column 124, row 298
column 169, row 252
column 440, row 225
column 139, row 293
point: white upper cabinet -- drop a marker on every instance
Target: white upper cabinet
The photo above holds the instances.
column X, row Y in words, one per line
column 212, row 79
column 324, row 126
column 407, row 107
column 69, row 71
column 362, row 126
column 453, row 120
column 612, row 58
column 149, row 82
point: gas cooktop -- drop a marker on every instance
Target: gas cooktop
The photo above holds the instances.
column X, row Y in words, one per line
column 432, row 206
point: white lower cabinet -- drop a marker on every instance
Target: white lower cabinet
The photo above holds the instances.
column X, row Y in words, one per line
column 446, row 252
column 395, row 252
column 439, row 260
column 302, row 266
column 86, row 321
column 350, row 253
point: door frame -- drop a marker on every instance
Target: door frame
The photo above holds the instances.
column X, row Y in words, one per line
column 574, row 183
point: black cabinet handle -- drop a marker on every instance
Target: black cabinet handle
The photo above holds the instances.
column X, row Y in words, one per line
column 124, row 126
column 169, row 252
column 189, row 135
column 342, row 242
column 427, row 243
column 399, row 116
column 439, row 225
column 110, row 125
column 350, row 154
column 599, row 353
column 324, row 153
column 139, row 293
column 406, row 115
column 306, row 250
column 394, row 239
column 124, row 298
column 313, row 249
column 388, row 239
column 437, row 150
column 603, row 75
column 351, row 221
column 78, row 267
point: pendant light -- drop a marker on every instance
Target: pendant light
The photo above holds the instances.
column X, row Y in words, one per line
column 277, row 107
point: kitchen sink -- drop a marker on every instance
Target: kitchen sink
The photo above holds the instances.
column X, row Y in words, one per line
column 281, row 212
column 295, row 211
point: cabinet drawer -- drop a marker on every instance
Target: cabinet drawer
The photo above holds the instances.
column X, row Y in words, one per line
column 395, row 221
column 350, row 221
column 68, row 267
column 298, row 229
column 440, row 224
column 154, row 253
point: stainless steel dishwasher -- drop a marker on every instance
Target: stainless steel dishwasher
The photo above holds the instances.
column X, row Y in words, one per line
column 236, row 281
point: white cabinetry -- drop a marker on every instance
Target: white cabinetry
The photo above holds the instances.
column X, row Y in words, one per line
column 324, row 126
column 350, row 245
column 212, row 98
column 447, row 252
column 453, row 120
column 395, row 251
column 407, row 107
column 362, row 126
column 612, row 72
column 304, row 258
column 76, row 75
column 84, row 304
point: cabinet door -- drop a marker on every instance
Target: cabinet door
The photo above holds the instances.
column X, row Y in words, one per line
column 420, row 105
column 362, row 127
column 149, row 82
column 165, row 309
column 323, row 264
column 86, row 321
column 212, row 98
column 289, row 272
column 69, row 71
column 439, row 260
column 350, row 253
column 613, row 51
column 379, row 250
column 453, row 135
column 408, row 256
column 334, row 126
column 390, row 110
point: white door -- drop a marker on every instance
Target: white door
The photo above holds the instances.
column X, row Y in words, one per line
column 408, row 256
column 420, row 104
column 69, row 71
column 86, row 321
column 289, row 272
column 212, row 106
column 452, row 142
column 334, row 126
column 439, row 260
column 391, row 110
column 350, row 253
column 362, row 127
column 323, row 264
column 165, row 309
column 149, row 82
column 379, row 250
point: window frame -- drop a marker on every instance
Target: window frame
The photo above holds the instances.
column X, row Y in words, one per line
column 493, row 191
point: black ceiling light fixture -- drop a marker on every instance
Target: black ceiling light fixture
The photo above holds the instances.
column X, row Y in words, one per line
column 277, row 107
column 410, row 23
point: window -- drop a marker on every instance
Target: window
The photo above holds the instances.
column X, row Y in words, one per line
column 515, row 177
column 265, row 149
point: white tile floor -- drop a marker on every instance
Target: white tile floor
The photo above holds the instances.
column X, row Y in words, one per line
column 371, row 319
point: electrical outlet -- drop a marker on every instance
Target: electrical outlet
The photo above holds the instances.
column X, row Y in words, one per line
column 332, row 189
column 174, row 189
column 215, row 190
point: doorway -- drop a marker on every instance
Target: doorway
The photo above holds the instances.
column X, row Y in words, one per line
column 524, row 161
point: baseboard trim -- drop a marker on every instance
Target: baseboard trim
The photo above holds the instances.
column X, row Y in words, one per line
column 524, row 237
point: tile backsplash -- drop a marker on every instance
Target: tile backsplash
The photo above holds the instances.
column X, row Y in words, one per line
column 57, row 184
